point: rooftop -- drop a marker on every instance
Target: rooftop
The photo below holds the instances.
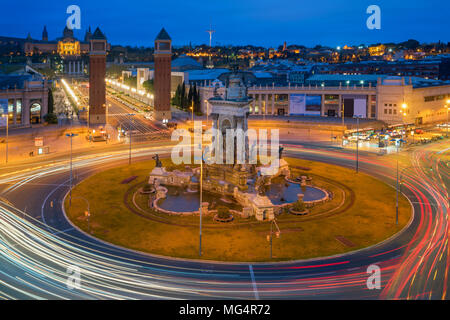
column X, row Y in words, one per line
column 163, row 35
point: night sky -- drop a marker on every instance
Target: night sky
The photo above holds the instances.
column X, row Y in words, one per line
column 238, row 22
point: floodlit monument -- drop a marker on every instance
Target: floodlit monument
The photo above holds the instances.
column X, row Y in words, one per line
column 233, row 175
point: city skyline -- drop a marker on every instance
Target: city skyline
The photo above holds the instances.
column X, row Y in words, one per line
column 256, row 23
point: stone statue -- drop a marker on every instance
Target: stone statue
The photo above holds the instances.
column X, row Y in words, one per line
column 158, row 163
column 261, row 184
column 280, row 152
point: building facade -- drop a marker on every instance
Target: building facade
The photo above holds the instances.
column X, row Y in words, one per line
column 394, row 100
column 24, row 98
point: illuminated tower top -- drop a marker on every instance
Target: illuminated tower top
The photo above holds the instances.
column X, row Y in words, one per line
column 163, row 43
column 98, row 42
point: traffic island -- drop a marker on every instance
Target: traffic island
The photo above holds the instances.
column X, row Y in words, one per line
column 361, row 210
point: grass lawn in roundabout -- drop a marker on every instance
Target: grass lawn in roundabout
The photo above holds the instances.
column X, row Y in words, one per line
column 360, row 214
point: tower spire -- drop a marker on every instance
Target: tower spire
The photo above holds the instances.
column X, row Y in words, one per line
column 210, row 31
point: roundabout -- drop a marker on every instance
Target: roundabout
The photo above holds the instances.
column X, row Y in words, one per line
column 122, row 215
column 38, row 243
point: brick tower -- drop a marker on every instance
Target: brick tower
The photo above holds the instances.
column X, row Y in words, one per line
column 97, row 73
column 163, row 57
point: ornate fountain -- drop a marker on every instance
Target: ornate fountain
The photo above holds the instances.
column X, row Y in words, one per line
column 239, row 180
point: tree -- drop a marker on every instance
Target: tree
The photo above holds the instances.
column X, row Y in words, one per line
column 50, row 101
column 176, row 100
column 223, row 212
column 51, row 118
column 149, row 86
column 196, row 99
column 183, row 98
column 130, row 81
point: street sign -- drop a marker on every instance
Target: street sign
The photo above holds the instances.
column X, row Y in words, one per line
column 39, row 141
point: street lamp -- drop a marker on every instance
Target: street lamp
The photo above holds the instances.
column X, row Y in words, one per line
column 71, row 135
column 201, row 194
column 129, row 137
column 270, row 236
column 357, row 144
column 192, row 109
column 7, row 134
column 447, row 106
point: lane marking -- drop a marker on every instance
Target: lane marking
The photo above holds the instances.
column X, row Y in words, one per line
column 63, row 231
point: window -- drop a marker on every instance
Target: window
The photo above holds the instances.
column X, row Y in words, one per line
column 19, row 111
column 35, row 113
column 390, row 111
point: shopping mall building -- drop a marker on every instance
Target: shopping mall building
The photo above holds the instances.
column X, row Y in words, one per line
column 394, row 100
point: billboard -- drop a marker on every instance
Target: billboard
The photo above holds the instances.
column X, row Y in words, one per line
column 297, row 104
column 313, row 104
column 360, row 107
column 305, row 105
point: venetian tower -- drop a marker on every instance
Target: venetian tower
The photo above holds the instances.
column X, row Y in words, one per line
column 97, row 73
column 163, row 69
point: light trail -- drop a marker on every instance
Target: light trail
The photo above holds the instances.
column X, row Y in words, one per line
column 34, row 257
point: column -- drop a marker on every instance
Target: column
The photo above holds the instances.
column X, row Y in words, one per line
column 340, row 106
column 26, row 111
column 260, row 103
column 322, row 108
column 266, row 103
column 288, row 105
column 273, row 103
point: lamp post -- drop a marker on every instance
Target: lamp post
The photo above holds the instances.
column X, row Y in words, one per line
column 129, row 137
column 447, row 106
column 201, row 195
column 7, row 134
column 357, row 144
column 192, row 109
column 71, row 135
column 270, row 236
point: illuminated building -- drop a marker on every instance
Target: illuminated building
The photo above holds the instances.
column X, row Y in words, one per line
column 73, row 52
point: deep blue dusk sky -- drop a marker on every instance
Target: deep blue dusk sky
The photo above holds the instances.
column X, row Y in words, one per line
column 258, row 22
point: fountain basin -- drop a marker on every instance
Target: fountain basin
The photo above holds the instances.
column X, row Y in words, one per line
column 286, row 192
